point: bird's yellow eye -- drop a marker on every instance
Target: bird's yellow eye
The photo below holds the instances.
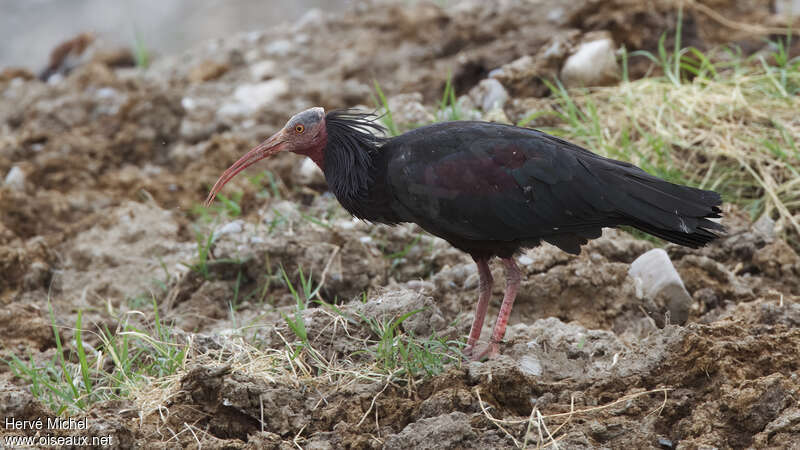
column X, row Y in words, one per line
column 299, row 128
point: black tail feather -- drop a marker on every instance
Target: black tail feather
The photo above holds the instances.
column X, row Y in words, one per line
column 696, row 239
column 675, row 213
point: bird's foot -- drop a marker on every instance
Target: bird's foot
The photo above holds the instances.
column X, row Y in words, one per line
column 468, row 351
column 491, row 350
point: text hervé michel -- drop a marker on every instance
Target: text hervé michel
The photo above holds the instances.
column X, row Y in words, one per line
column 49, row 423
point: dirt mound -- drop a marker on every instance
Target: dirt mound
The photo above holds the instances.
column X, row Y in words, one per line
column 729, row 383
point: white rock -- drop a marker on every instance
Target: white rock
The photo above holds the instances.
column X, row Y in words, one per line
column 490, row 94
column 55, row 79
column 263, row 70
column 345, row 224
column 260, row 94
column 188, row 103
column 16, row 83
column 593, row 64
column 249, row 98
column 301, row 38
column 253, row 36
column 15, row 179
column 657, row 280
column 234, row 227
column 525, row 260
column 309, row 173
column 279, row 48
column 106, row 92
column 313, row 18
column 555, row 15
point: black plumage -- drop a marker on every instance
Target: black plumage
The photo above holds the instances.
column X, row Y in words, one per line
column 492, row 189
column 488, row 189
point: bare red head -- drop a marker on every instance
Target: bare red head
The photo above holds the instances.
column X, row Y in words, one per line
column 304, row 134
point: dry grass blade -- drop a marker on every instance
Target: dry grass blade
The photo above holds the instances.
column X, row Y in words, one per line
column 375, row 398
column 497, row 422
column 547, row 438
column 735, row 132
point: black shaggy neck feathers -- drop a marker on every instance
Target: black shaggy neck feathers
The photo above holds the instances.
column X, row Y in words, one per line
column 348, row 156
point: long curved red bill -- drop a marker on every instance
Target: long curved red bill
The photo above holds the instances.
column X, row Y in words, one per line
column 267, row 148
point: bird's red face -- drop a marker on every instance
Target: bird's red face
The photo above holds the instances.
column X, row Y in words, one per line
column 304, row 133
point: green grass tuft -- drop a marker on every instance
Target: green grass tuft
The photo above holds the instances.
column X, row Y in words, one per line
column 72, row 383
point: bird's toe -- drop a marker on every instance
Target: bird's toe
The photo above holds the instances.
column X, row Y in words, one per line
column 490, row 352
column 468, row 351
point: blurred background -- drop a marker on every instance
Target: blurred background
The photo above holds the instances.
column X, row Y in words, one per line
column 29, row 29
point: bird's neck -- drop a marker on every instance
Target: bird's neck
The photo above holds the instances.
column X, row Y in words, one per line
column 349, row 163
column 348, row 172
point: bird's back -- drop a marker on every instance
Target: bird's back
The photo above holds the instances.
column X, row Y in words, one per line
column 490, row 189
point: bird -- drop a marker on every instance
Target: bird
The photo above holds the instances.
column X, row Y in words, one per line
column 489, row 189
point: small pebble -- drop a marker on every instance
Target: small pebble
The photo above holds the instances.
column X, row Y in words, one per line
column 234, row 227
column 15, row 179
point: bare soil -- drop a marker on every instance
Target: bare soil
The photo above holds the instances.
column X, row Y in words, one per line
column 114, row 161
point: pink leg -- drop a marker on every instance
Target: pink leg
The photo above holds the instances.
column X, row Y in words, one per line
column 513, row 279
column 485, row 294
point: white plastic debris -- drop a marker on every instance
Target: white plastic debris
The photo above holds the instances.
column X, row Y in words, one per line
column 661, row 287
